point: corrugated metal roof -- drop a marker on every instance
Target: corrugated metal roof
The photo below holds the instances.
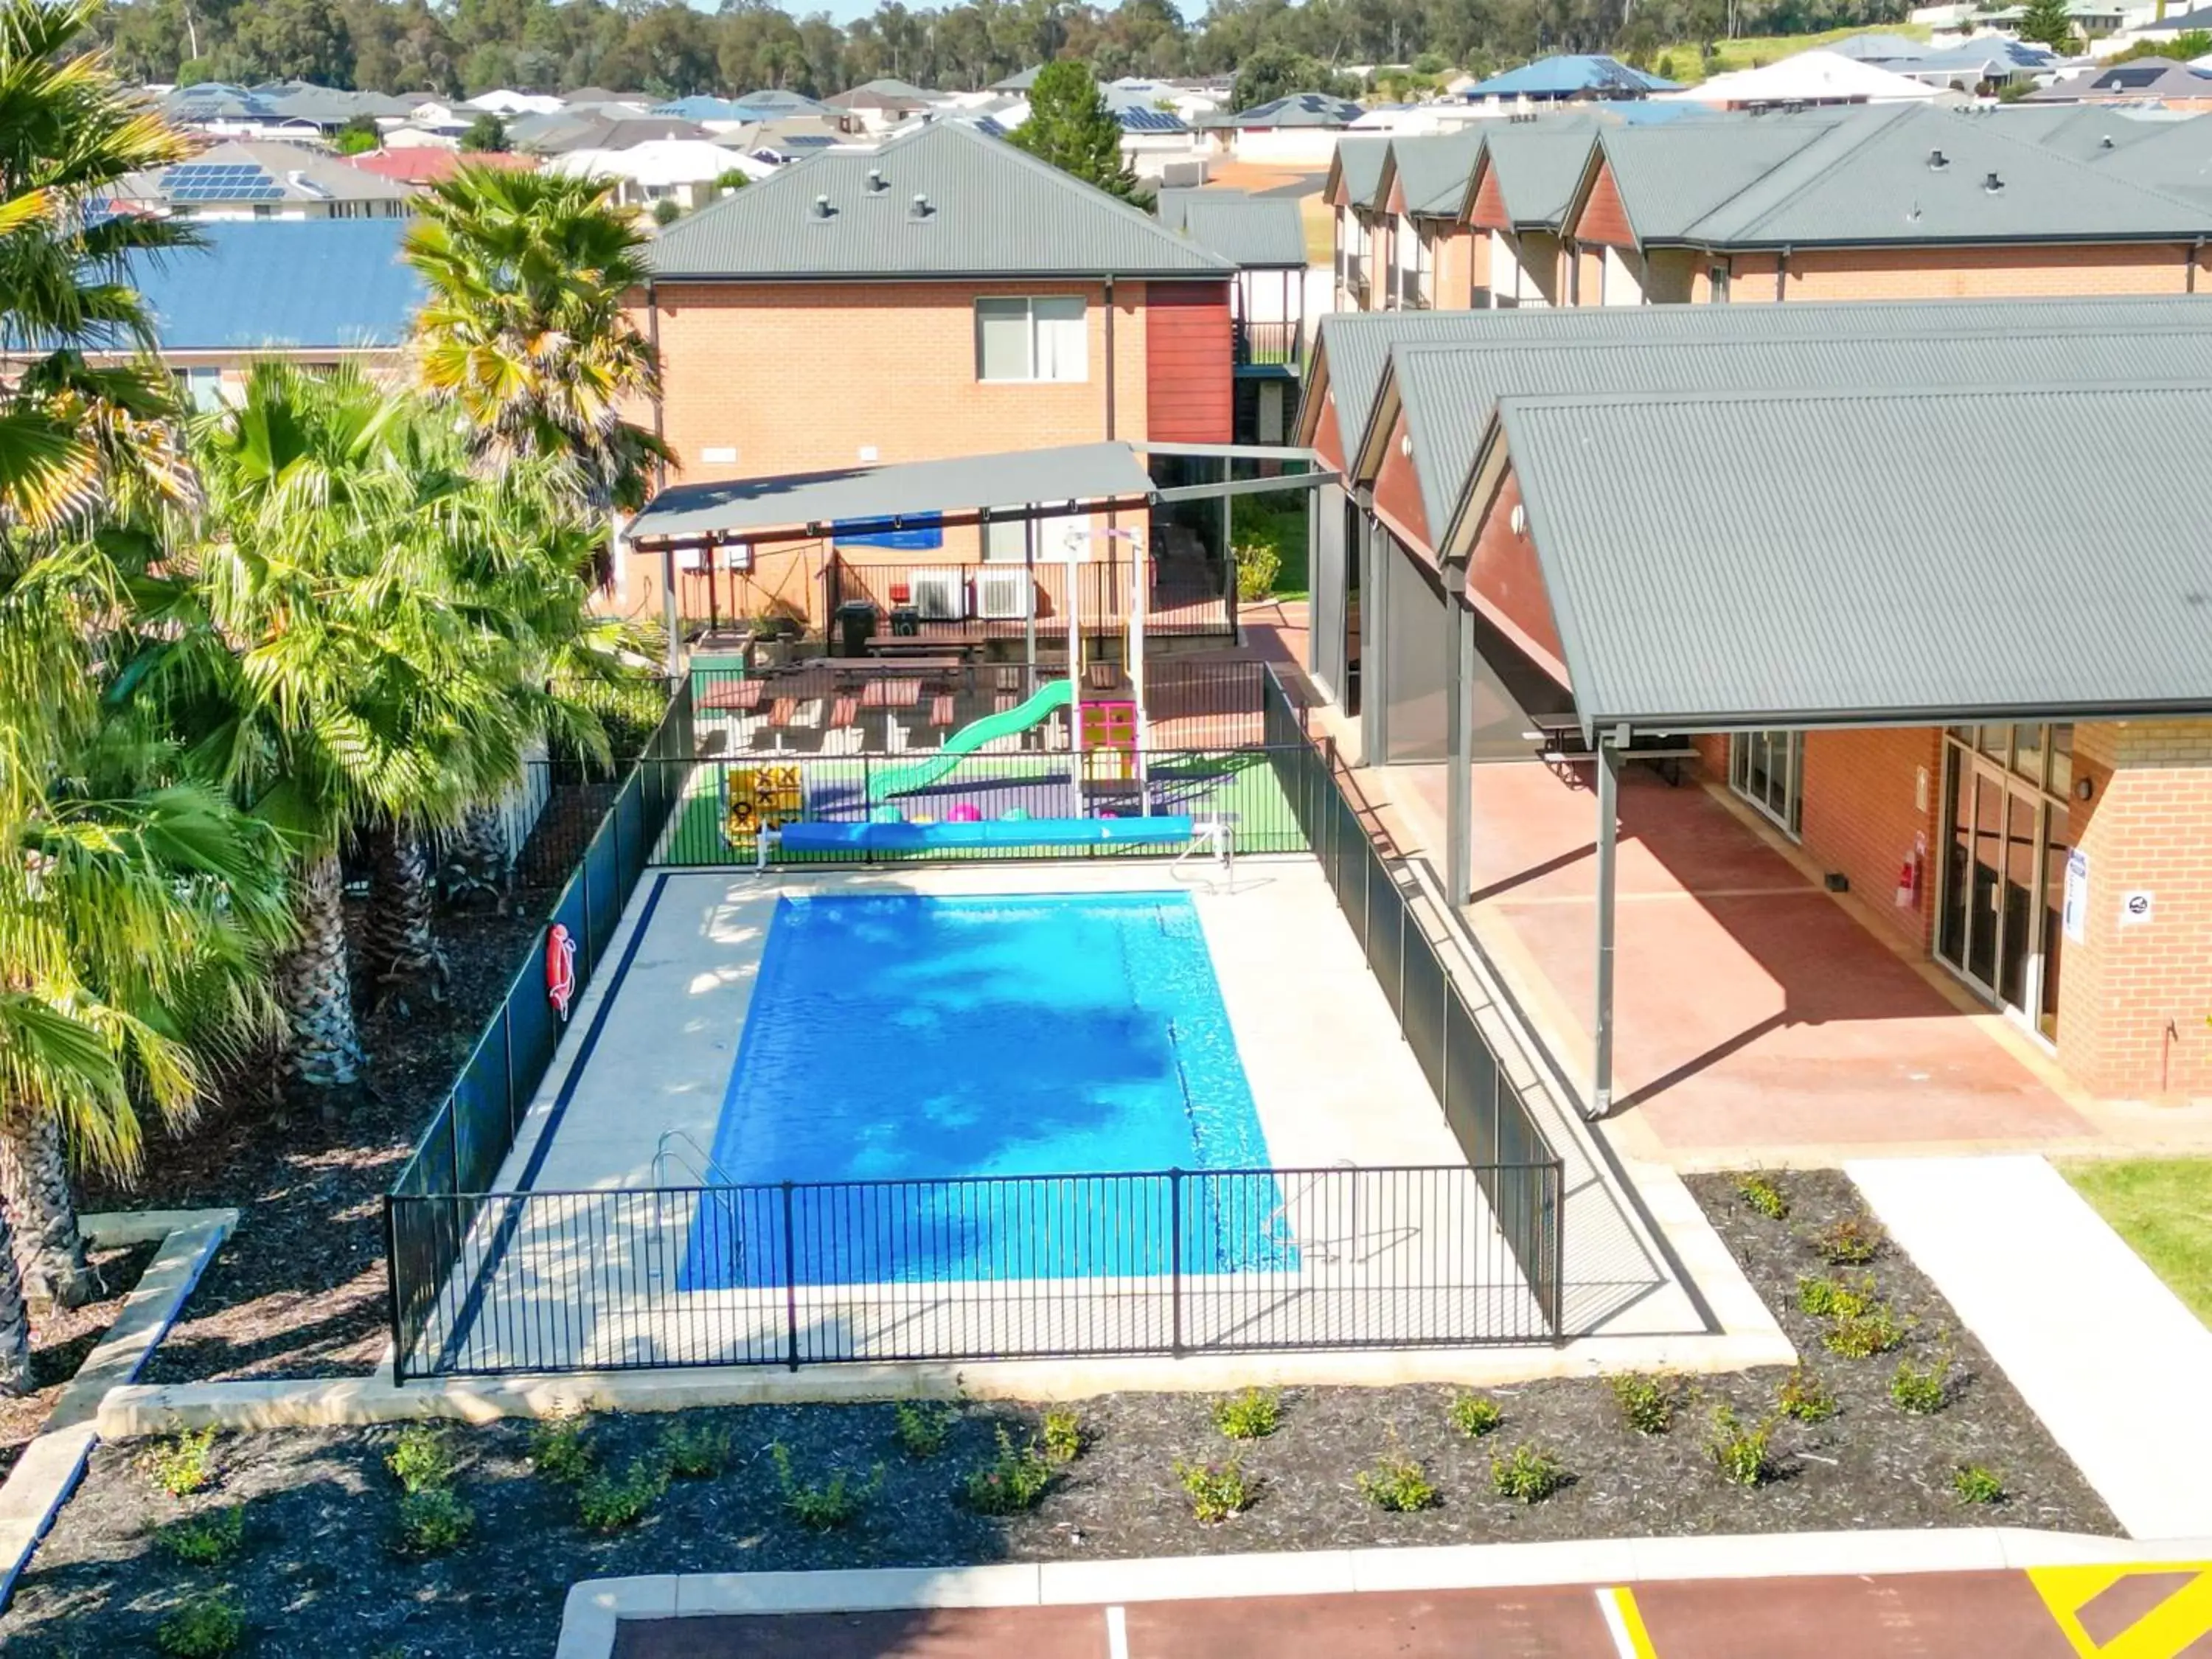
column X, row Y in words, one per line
column 1788, row 558
column 1073, row 472
column 1539, row 165
column 1433, row 170
column 1925, row 175
column 1298, row 109
column 1353, row 347
column 1567, row 74
column 991, row 211
column 2172, row 156
column 1450, row 393
column 302, row 284
column 2087, row 132
column 1252, row 233
column 1359, row 158
column 1669, row 177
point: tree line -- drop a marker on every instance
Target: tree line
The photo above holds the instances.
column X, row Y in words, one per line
column 667, row 49
column 328, row 622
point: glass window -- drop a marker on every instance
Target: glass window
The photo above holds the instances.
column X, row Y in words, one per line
column 2060, row 778
column 1040, row 339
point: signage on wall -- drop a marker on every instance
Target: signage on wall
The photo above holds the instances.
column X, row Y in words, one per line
column 2075, row 916
column 2134, row 909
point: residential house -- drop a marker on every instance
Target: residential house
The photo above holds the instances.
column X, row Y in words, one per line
column 1564, row 77
column 882, row 104
column 941, row 296
column 2160, row 81
column 286, row 109
column 1299, row 129
column 262, row 180
column 1422, row 196
column 1350, row 192
column 685, row 171
column 1264, row 237
column 420, row 165
column 1805, row 81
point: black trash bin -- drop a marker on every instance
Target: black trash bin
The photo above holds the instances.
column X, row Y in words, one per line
column 856, row 625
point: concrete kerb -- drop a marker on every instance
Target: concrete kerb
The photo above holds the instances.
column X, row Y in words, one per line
column 359, row 1401
column 595, row 1606
column 51, row 1466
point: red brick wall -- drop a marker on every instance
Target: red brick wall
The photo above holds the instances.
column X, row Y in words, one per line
column 1188, row 398
column 1603, row 218
column 1489, row 211
column 2133, row 1001
column 1863, row 792
column 1971, row 273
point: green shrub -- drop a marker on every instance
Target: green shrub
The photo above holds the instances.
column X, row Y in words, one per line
column 184, row 1464
column 1862, row 1335
column 1764, row 1194
column 1012, row 1482
column 203, row 1541
column 433, row 1521
column 823, row 1505
column 1850, row 1243
column 1646, row 1400
column 560, row 1448
column 1252, row 1415
column 1217, row 1491
column 667, row 212
column 1474, row 1415
column 421, row 1460
column 1399, row 1483
column 1805, row 1397
column 1922, row 1390
column 1064, row 1436
column 1258, row 565
column 1526, row 1474
column 1973, row 1484
column 694, row 1454
column 204, row 1626
column 922, row 1427
column 1843, row 1296
column 1743, row 1453
column 606, row 1502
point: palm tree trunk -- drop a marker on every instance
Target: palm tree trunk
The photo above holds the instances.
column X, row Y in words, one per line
column 15, row 1317
column 478, row 861
column 34, row 1186
column 402, row 950
column 313, row 983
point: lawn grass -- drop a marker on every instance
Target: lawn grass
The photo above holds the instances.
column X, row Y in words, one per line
column 2163, row 1207
column 1756, row 51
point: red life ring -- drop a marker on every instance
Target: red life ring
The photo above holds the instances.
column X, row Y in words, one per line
column 559, row 969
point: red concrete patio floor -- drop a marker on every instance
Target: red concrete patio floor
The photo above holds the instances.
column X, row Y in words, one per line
column 1753, row 1010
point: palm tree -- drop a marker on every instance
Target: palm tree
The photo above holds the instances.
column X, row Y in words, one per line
column 360, row 686
column 525, row 331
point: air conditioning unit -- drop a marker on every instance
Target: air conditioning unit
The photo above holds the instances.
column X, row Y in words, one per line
column 940, row 595
column 1002, row 595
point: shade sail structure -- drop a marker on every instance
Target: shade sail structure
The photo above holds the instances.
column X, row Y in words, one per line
column 732, row 510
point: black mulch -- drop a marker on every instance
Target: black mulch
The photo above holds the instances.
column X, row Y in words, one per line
column 317, row 1577
column 61, row 1340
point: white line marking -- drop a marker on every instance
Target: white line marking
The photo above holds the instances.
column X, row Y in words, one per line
column 1608, row 1607
column 1117, row 1634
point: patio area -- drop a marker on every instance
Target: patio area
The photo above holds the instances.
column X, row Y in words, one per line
column 1757, row 1016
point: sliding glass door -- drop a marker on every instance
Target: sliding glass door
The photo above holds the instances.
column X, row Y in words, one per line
column 2000, row 910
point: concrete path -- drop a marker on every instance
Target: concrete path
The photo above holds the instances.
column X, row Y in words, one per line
column 2117, row 1368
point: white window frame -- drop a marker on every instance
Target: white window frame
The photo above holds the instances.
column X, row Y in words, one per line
column 1034, row 310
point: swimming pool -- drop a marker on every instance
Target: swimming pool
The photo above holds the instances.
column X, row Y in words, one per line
column 954, row 1046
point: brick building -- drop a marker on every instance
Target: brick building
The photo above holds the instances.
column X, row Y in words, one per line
column 941, row 296
column 1984, row 711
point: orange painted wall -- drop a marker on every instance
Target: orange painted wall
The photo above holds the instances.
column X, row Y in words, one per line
column 1188, row 396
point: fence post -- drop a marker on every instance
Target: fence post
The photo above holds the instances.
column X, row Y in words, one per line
column 790, row 1281
column 392, row 1291
column 584, row 945
column 1556, row 1243
column 507, row 1043
column 1174, row 1261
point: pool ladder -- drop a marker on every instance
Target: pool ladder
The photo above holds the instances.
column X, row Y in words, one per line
column 716, row 1186
column 1326, row 1250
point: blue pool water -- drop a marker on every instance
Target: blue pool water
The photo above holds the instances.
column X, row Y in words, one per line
column 946, row 1042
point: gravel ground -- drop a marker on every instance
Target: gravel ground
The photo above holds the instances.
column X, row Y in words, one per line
column 320, row 1506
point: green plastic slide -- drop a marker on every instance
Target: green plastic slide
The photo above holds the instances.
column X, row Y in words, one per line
column 1055, row 693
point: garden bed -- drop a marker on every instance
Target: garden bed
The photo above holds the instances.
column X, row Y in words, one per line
column 316, row 1572
column 61, row 1340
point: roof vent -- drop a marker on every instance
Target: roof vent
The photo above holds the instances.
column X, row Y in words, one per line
column 1991, row 184
column 822, row 207
column 920, row 210
column 876, row 184
column 2104, row 142
column 1937, row 160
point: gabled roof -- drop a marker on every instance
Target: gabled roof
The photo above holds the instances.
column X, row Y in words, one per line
column 562, row 133
column 1351, row 349
column 1254, row 232
column 1538, row 166
column 2174, row 157
column 1569, row 75
column 257, row 171
column 2087, row 132
column 1794, row 559
column 883, row 93
column 1877, row 48
column 1671, row 177
column 305, row 284
column 425, row 164
column 1357, row 167
column 2140, row 77
column 988, row 211
column 1450, row 394
column 1807, row 78
column 1936, row 175
column 1432, row 171
column 1299, row 109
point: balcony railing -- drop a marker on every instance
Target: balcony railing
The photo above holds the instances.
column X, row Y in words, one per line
column 1275, row 343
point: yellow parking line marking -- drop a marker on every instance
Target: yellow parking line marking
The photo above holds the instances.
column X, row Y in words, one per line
column 1624, row 1621
column 2184, row 1617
